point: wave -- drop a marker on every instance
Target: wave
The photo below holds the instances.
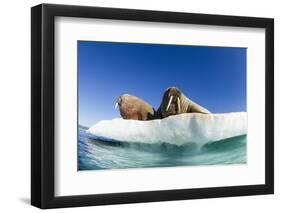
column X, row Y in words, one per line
column 182, row 129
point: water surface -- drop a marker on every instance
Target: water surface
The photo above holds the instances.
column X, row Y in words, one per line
column 97, row 154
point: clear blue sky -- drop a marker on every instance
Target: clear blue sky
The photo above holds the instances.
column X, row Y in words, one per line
column 214, row 77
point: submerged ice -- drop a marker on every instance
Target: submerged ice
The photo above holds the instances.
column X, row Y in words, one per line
column 178, row 130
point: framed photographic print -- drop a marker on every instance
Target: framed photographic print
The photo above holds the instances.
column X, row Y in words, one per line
column 140, row 106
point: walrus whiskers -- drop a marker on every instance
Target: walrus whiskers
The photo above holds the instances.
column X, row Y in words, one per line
column 170, row 101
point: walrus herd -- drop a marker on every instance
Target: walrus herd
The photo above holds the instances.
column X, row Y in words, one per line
column 173, row 102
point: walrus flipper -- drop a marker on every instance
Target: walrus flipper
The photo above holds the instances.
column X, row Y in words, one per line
column 157, row 114
column 199, row 109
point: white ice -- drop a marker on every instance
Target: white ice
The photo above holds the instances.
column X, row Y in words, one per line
column 179, row 129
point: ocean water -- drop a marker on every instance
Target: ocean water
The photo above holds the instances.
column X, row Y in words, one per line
column 95, row 154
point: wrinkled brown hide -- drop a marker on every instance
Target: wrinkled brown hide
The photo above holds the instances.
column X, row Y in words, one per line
column 134, row 108
column 179, row 103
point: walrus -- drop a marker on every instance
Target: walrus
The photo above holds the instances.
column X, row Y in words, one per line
column 175, row 102
column 134, row 108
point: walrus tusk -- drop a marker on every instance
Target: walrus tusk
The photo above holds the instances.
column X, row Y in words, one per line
column 179, row 105
column 116, row 105
column 170, row 101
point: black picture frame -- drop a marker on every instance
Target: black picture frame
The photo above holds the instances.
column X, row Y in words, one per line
column 43, row 102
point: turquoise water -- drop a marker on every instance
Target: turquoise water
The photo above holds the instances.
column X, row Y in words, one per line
column 98, row 154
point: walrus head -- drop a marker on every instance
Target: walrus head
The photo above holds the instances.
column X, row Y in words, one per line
column 134, row 108
column 171, row 104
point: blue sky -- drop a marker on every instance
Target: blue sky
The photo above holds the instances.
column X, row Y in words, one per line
column 214, row 77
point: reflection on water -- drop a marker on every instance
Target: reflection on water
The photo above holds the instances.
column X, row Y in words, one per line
column 94, row 154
